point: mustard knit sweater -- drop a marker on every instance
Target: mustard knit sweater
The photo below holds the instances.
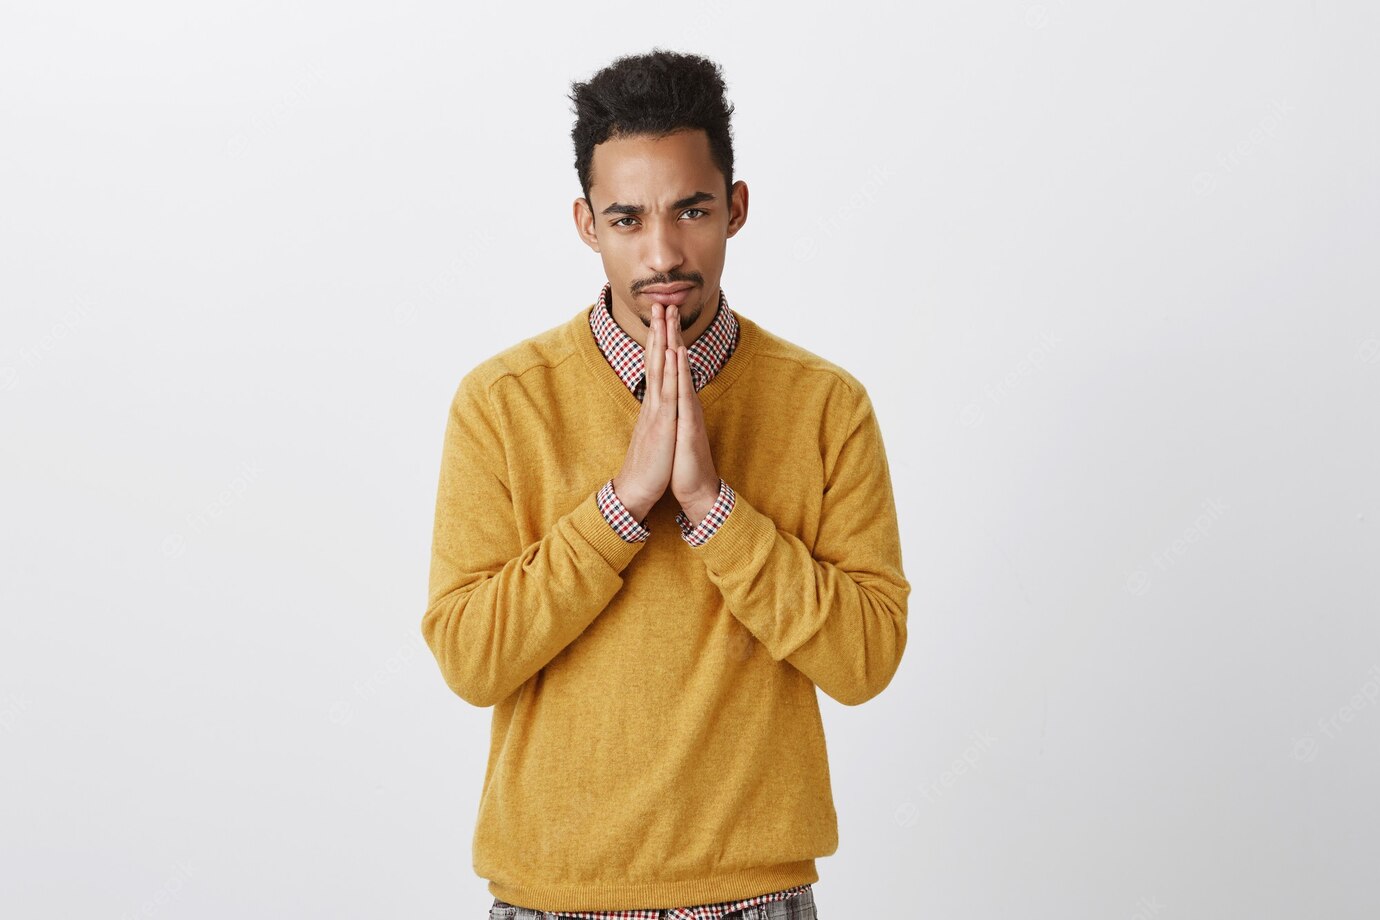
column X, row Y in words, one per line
column 656, row 738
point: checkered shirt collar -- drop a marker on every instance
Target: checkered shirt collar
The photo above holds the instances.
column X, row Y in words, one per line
column 707, row 354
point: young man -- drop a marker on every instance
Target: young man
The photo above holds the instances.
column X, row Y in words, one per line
column 659, row 527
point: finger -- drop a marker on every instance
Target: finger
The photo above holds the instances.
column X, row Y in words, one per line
column 670, row 385
column 687, row 383
column 656, row 352
column 673, row 328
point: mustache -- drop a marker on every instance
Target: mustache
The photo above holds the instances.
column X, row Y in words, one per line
column 694, row 278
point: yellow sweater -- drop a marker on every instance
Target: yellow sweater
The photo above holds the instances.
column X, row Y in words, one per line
column 656, row 738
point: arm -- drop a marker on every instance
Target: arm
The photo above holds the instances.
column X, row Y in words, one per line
column 498, row 611
column 837, row 614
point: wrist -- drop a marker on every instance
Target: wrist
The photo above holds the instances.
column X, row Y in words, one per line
column 697, row 506
column 637, row 505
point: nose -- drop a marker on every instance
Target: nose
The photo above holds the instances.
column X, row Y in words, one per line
column 663, row 252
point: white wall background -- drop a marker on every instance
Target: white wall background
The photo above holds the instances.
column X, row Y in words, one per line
column 1108, row 270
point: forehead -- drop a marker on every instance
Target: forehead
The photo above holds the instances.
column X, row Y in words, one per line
column 653, row 171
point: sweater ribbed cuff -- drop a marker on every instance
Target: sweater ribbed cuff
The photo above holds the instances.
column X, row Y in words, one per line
column 591, row 524
column 745, row 534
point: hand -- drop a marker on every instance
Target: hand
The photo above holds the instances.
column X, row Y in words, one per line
column 651, row 452
column 694, row 480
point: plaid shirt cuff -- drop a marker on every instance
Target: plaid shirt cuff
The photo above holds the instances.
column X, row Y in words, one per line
column 619, row 518
column 718, row 512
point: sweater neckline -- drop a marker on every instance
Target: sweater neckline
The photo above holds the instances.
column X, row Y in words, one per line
column 582, row 337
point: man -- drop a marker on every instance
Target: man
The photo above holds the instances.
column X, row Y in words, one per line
column 659, row 527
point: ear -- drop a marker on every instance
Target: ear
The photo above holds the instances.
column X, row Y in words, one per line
column 738, row 207
column 584, row 222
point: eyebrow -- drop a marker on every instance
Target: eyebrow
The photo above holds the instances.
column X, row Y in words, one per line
column 635, row 209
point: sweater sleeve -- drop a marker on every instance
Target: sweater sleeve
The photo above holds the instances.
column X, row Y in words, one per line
column 837, row 613
column 498, row 611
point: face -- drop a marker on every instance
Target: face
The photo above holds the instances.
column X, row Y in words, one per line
column 657, row 215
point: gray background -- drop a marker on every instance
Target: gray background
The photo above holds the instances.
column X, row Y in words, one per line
column 1108, row 271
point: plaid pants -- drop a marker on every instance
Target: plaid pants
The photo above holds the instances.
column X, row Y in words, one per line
column 797, row 907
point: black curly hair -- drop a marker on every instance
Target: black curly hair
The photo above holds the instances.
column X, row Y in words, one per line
column 657, row 93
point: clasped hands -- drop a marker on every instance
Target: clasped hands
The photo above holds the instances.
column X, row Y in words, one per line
column 670, row 445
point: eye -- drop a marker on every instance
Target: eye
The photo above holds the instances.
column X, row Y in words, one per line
column 619, row 221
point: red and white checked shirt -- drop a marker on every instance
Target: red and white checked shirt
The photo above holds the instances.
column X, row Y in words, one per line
column 707, row 356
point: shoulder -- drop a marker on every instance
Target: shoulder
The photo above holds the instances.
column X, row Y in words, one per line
column 807, row 371
column 549, row 348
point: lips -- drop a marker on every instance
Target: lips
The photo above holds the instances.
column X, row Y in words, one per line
column 668, row 294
